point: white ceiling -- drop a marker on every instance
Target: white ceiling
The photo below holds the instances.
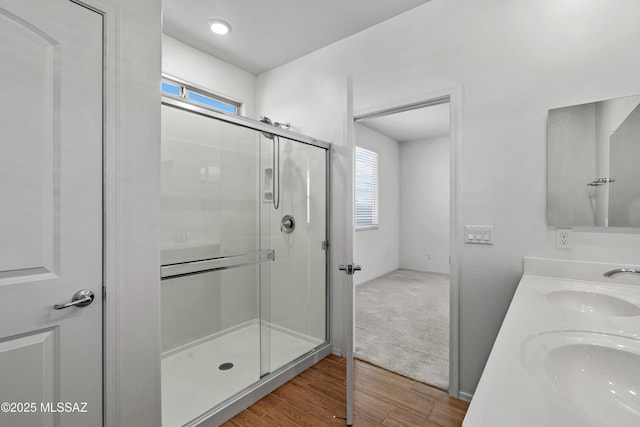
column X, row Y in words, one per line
column 269, row 33
column 413, row 125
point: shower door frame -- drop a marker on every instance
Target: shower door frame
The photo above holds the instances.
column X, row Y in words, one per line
column 184, row 104
column 237, row 403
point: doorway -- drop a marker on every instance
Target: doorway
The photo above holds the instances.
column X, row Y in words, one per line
column 402, row 297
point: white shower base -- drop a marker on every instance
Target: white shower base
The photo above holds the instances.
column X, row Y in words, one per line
column 192, row 383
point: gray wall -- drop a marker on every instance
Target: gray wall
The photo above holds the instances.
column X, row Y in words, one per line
column 424, row 205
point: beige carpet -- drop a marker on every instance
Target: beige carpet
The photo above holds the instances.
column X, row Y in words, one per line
column 402, row 325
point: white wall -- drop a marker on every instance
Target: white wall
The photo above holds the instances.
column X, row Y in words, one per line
column 378, row 249
column 424, row 205
column 194, row 66
column 514, row 61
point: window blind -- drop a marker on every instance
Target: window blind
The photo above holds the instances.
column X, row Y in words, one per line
column 366, row 188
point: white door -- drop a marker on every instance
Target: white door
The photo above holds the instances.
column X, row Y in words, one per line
column 50, row 213
column 349, row 268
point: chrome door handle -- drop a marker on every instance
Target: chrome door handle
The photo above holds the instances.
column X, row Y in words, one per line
column 81, row 298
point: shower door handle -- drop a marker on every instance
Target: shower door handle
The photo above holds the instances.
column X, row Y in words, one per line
column 350, row 269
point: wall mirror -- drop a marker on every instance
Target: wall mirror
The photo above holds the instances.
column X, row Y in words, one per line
column 593, row 164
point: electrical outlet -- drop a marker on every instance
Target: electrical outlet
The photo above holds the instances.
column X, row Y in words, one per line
column 564, row 238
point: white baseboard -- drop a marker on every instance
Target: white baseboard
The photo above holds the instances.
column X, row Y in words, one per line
column 422, row 270
column 465, row 396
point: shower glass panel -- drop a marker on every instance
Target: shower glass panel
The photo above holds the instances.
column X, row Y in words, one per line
column 293, row 301
column 210, row 211
column 244, row 294
column 217, row 307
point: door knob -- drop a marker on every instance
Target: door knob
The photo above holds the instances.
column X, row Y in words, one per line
column 350, row 268
column 81, row 298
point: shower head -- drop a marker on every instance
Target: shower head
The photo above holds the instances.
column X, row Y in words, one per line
column 267, row 120
column 283, row 125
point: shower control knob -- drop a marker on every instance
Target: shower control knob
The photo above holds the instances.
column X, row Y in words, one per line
column 287, row 224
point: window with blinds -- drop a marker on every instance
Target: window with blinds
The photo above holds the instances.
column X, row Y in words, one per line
column 366, row 191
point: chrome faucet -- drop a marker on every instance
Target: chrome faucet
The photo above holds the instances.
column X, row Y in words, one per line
column 616, row 271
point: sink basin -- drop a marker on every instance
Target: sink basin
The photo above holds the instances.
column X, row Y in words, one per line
column 593, row 302
column 599, row 374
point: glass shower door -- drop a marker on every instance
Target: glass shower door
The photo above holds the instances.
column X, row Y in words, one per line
column 294, row 295
column 243, row 239
column 211, row 257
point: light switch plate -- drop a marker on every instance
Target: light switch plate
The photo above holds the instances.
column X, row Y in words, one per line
column 478, row 234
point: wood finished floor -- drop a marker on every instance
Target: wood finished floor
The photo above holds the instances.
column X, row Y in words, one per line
column 382, row 398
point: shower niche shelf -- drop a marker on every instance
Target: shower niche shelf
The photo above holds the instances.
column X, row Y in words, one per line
column 267, row 185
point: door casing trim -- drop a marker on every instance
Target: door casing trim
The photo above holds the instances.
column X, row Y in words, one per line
column 454, row 96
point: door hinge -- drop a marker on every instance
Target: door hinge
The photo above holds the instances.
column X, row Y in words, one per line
column 271, row 254
column 104, row 293
column 325, row 246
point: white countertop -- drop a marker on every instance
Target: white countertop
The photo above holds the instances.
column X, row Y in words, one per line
column 518, row 386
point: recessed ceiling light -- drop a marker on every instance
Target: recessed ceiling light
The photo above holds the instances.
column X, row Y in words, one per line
column 220, row 27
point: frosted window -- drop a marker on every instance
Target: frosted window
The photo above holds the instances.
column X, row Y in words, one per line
column 170, row 89
column 213, row 103
column 197, row 95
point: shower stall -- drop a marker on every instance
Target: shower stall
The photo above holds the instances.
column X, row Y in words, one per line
column 244, row 295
